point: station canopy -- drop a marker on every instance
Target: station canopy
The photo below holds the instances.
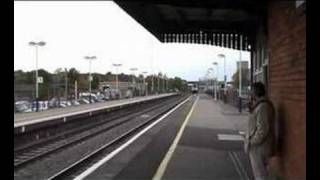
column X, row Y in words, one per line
column 224, row 23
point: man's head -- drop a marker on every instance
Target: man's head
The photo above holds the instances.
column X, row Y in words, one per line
column 258, row 90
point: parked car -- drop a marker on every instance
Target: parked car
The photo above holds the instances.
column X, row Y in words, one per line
column 112, row 94
column 66, row 103
column 87, row 97
column 23, row 106
column 63, row 105
column 129, row 94
column 83, row 101
column 75, row 102
column 53, row 102
column 42, row 105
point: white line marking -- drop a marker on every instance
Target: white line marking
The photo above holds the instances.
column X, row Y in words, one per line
column 161, row 169
column 115, row 152
column 230, row 137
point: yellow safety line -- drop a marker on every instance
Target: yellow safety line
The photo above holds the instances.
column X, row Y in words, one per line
column 161, row 169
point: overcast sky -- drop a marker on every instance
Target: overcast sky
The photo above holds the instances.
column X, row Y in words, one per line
column 73, row 30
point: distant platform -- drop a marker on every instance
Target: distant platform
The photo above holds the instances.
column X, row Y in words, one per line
column 24, row 119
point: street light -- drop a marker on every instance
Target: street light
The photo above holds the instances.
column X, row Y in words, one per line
column 117, row 65
column 240, row 69
column 133, row 81
column 90, row 58
column 207, row 79
column 144, row 82
column 224, row 71
column 36, row 45
column 216, row 82
column 211, row 70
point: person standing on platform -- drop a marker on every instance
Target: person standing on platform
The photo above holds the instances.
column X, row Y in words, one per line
column 260, row 137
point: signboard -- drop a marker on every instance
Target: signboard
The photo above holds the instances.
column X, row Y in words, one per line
column 90, row 78
column 40, row 79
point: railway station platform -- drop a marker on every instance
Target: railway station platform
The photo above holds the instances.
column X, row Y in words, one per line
column 211, row 145
column 24, row 119
column 201, row 140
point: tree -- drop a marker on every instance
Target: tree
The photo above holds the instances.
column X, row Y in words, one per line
column 45, row 86
column 24, row 77
column 59, row 71
column 83, row 82
column 108, row 76
column 95, row 81
column 178, row 83
column 73, row 75
column 59, row 77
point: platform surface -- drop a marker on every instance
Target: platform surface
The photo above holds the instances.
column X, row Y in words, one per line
column 211, row 147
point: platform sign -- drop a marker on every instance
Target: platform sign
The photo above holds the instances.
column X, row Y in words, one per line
column 40, row 79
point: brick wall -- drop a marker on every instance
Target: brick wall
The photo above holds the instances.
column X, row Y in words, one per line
column 287, row 78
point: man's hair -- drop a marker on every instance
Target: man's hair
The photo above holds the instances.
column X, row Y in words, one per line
column 258, row 89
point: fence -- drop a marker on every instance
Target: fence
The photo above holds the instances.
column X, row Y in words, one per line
column 231, row 97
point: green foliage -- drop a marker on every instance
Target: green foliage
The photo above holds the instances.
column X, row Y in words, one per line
column 73, row 75
column 95, row 81
column 21, row 77
column 178, row 83
column 54, row 83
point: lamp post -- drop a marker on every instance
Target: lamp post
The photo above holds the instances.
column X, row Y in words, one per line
column 240, row 69
column 224, row 68
column 144, row 83
column 225, row 76
column 36, row 45
column 90, row 58
column 117, row 82
column 133, row 77
column 158, row 78
column 216, row 82
column 211, row 70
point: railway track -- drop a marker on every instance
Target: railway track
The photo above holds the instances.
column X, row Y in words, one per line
column 81, row 165
column 28, row 154
column 37, row 136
